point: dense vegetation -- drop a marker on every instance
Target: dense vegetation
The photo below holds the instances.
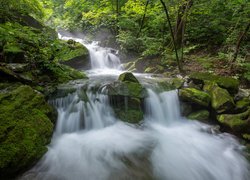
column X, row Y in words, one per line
column 156, row 36
column 217, row 28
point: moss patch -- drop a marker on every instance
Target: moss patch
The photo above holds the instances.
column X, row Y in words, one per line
column 221, row 100
column 25, row 129
column 237, row 122
column 130, row 115
column 228, row 83
column 195, row 96
column 202, row 115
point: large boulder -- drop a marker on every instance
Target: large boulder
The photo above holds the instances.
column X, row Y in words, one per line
column 228, row 83
column 25, row 129
column 127, row 86
column 128, row 77
column 238, row 123
column 73, row 54
column 127, row 97
column 221, row 99
column 195, row 96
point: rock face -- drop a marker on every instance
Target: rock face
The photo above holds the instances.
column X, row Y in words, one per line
column 195, row 96
column 25, row 128
column 126, row 97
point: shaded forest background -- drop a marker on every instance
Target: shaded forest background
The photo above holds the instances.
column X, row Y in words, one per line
column 214, row 33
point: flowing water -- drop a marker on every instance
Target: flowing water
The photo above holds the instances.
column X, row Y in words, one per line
column 90, row 143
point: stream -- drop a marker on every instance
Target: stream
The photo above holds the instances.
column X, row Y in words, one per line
column 90, row 143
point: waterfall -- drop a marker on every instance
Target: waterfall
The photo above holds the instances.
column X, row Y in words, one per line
column 100, row 57
column 91, row 143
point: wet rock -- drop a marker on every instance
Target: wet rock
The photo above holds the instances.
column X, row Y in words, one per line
column 25, row 129
column 201, row 115
column 195, row 96
column 129, row 115
column 128, row 77
column 126, row 97
column 185, row 108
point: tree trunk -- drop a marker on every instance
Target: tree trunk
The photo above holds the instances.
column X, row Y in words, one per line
column 180, row 22
column 143, row 19
column 240, row 39
column 172, row 35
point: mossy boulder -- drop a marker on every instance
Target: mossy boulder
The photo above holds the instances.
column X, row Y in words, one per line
column 221, row 100
column 228, row 83
column 73, row 54
column 201, row 115
column 195, row 96
column 239, row 123
column 25, row 129
column 243, row 104
column 129, row 115
column 126, row 97
column 128, row 77
column 126, row 86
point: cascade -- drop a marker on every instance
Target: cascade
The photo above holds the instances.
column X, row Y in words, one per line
column 101, row 58
column 90, row 143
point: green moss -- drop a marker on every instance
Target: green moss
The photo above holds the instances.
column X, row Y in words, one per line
column 243, row 103
column 202, row 115
column 25, row 128
column 63, row 74
column 177, row 83
column 195, row 96
column 228, row 83
column 128, row 77
column 237, row 122
column 67, row 51
column 41, row 52
column 126, row 89
column 246, row 136
column 130, row 115
column 221, row 100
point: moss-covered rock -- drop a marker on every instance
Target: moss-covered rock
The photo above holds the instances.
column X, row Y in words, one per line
column 177, row 82
column 239, row 123
column 126, row 97
column 195, row 96
column 129, row 115
column 41, row 53
column 25, row 129
column 221, row 100
column 228, row 83
column 73, row 53
column 242, row 104
column 202, row 115
column 128, row 77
